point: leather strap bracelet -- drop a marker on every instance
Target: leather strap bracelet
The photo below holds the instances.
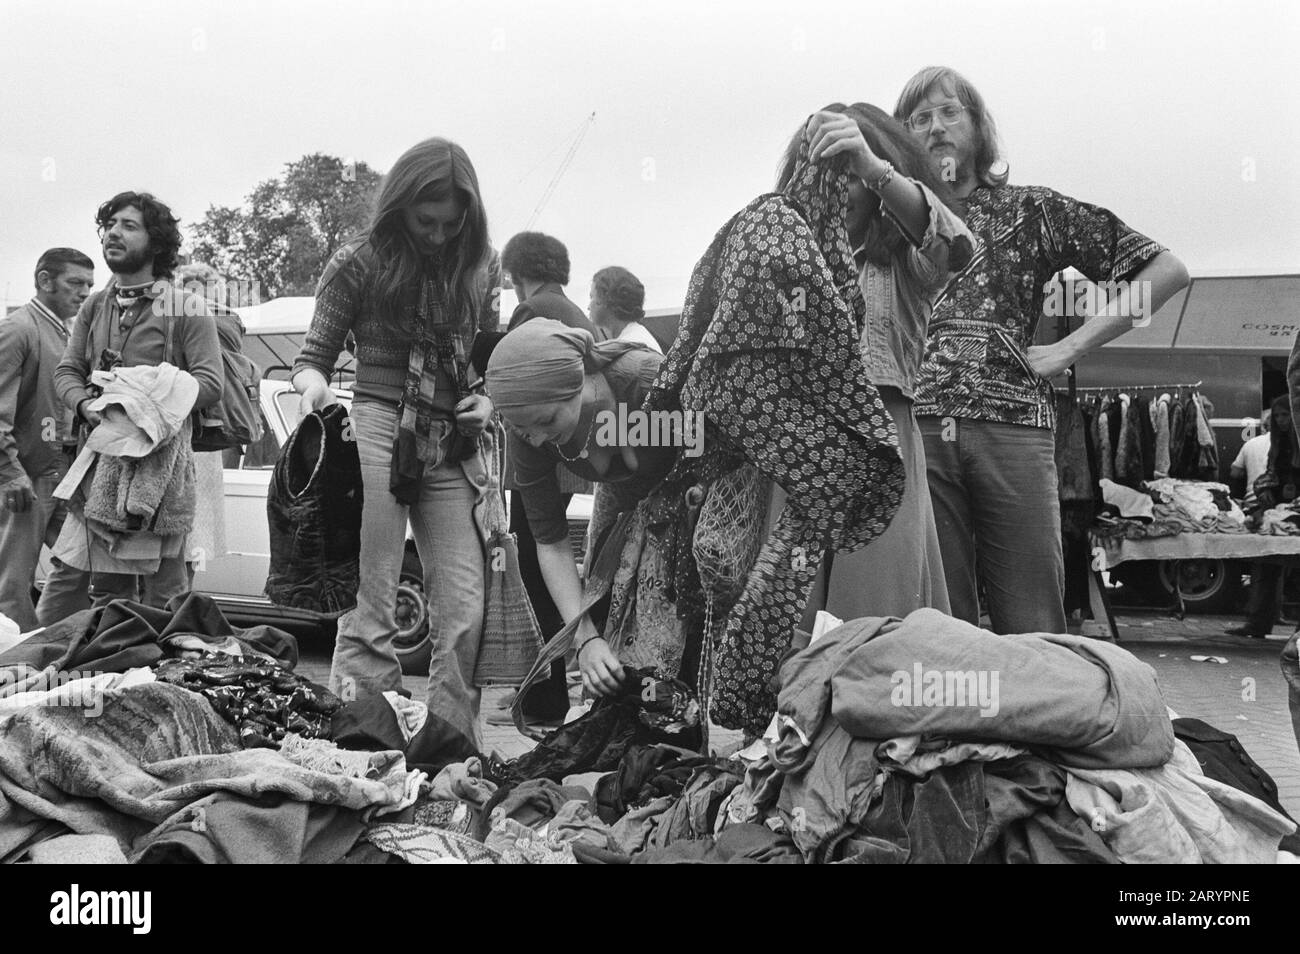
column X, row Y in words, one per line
column 583, row 644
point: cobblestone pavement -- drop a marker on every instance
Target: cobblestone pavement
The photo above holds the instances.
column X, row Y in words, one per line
column 1245, row 695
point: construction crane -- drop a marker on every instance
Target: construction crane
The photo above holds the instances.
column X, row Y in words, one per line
column 559, row 173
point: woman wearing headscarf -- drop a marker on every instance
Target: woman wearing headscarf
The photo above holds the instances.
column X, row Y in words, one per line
column 413, row 290
column 558, row 391
column 907, row 243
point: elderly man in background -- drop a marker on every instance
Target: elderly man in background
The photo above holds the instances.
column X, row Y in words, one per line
column 36, row 432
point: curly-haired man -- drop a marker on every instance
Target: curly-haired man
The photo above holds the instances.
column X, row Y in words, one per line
column 126, row 325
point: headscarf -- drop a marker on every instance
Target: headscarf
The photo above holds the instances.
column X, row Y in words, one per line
column 544, row 361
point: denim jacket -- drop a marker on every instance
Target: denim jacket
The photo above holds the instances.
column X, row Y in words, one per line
column 898, row 299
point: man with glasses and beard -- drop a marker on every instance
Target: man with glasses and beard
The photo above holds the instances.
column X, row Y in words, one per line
column 983, row 400
column 123, row 326
column 35, row 430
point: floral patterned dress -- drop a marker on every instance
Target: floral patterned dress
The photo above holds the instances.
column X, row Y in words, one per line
column 768, row 350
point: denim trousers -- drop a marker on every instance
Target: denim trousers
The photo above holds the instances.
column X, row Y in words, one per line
column 995, row 505
column 21, row 538
column 451, row 551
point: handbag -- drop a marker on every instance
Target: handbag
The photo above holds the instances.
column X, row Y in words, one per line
column 511, row 640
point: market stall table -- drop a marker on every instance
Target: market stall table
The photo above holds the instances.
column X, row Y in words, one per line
column 1109, row 552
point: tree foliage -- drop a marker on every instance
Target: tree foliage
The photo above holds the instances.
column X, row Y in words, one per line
column 287, row 227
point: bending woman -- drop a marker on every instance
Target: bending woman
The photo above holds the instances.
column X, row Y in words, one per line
column 413, row 290
column 907, row 243
column 558, row 390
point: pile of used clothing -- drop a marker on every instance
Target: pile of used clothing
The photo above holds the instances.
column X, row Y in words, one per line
column 1165, row 507
column 130, row 732
column 1281, row 521
column 895, row 741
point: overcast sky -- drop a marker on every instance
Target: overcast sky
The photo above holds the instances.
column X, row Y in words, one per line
column 1182, row 117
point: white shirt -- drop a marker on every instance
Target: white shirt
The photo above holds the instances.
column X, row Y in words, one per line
column 635, row 331
column 1253, row 459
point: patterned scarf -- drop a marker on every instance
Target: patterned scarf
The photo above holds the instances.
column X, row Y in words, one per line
column 441, row 345
column 128, row 295
column 768, row 350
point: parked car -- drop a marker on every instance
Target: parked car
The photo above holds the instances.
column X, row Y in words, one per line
column 236, row 579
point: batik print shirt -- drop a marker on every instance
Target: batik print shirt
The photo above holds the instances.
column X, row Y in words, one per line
column 985, row 318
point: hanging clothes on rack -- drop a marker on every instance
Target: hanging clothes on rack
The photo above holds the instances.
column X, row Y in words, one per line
column 1146, row 435
column 1177, row 436
column 1160, row 424
column 1105, row 442
column 1128, row 453
column 1207, row 450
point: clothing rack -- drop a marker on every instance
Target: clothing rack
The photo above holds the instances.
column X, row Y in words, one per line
column 1186, row 386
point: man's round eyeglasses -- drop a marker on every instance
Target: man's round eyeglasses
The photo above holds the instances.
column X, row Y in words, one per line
column 922, row 119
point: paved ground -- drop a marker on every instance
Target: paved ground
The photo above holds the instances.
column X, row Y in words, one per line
column 1245, row 695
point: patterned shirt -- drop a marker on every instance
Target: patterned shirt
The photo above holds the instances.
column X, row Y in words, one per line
column 984, row 320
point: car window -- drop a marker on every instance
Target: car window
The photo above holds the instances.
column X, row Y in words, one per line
column 261, row 455
column 287, row 402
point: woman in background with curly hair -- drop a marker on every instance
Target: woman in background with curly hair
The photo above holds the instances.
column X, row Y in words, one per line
column 618, row 305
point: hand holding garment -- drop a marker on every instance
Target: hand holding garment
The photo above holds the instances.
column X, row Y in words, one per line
column 768, row 352
column 313, row 513
column 143, row 407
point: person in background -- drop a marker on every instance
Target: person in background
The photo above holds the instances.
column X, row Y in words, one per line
column 618, row 305
column 36, row 435
column 538, row 266
column 1250, row 463
column 413, row 290
column 126, row 325
column 907, row 242
column 208, row 540
column 1269, row 482
column 983, row 397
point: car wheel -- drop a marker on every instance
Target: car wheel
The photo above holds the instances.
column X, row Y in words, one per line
column 412, row 642
column 1208, row 586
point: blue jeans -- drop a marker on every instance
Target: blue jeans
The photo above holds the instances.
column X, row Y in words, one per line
column 995, row 505
column 21, row 537
column 451, row 551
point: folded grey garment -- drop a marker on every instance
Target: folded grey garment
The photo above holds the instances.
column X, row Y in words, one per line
column 1085, row 702
column 78, row 850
